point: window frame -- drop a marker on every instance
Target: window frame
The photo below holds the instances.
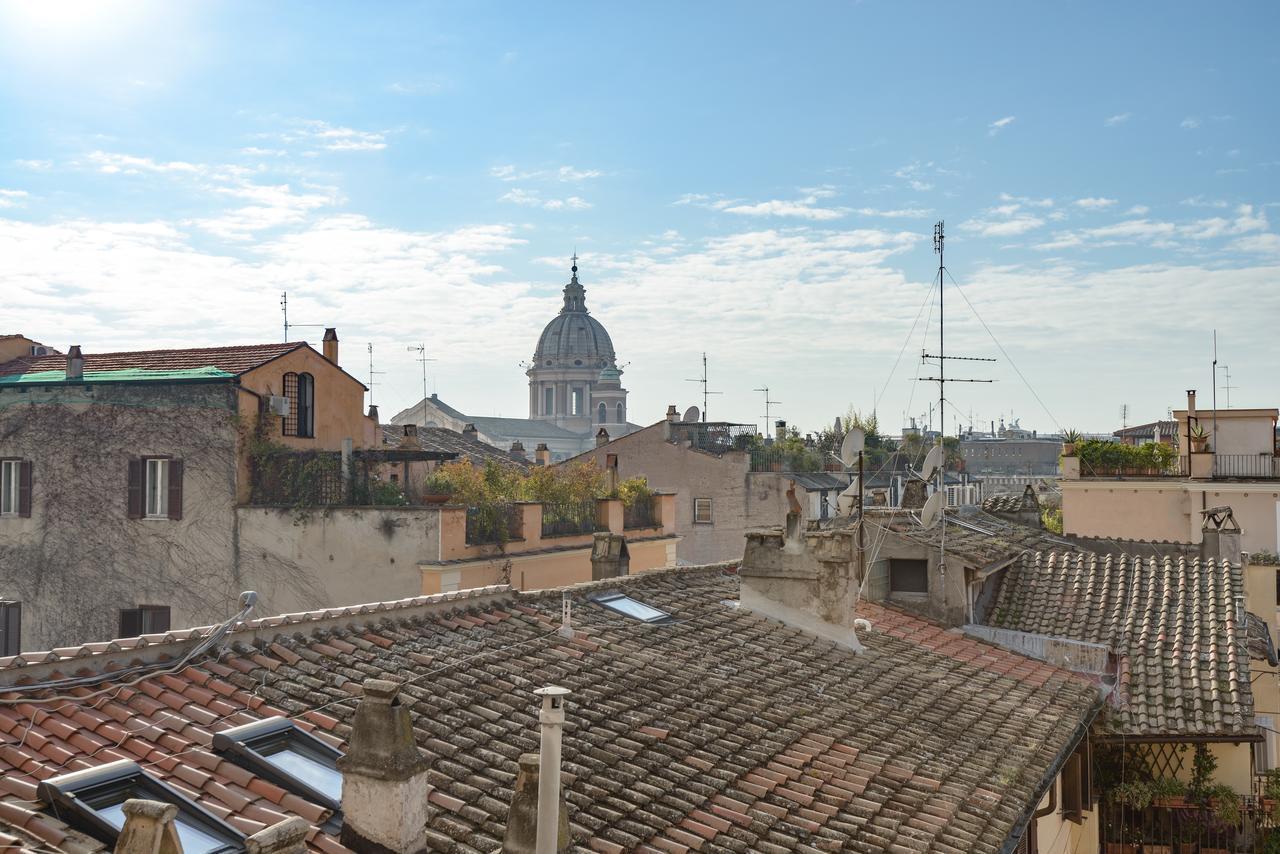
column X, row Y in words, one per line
column 611, row 599
column 549, row 400
column 78, row 798
column 306, row 422
column 244, row 745
column 11, row 492
column 577, row 400
column 602, row 413
column 903, row 591
column 10, row 627
column 142, row 612
column 161, row 490
column 710, row 520
column 622, row 413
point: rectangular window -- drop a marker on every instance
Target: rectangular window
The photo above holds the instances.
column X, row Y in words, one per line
column 92, row 800
column 577, row 406
column 286, row 755
column 157, row 489
column 549, row 401
column 633, row 608
column 10, row 628
column 908, row 576
column 9, row 487
column 144, row 620
column 1264, row 752
column 702, row 511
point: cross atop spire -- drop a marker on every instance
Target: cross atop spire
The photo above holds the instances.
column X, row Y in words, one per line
column 574, row 294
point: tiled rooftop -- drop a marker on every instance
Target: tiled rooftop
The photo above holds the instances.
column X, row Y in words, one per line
column 1180, row 623
column 979, row 537
column 234, row 360
column 451, row 441
column 722, row 731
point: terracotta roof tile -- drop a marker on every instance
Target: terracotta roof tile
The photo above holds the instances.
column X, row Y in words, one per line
column 234, row 360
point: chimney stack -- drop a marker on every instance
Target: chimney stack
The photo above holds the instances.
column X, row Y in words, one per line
column 469, row 432
column 672, row 415
column 1220, row 536
column 148, row 828
column 610, row 557
column 1191, row 405
column 779, row 430
column 602, row 437
column 522, row 821
column 283, row 837
column 410, row 437
column 517, row 451
column 373, row 413
column 75, row 363
column 542, row 454
column 384, row 776
column 330, row 344
column 550, row 796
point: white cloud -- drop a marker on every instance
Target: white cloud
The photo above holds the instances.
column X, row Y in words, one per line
column 1014, row 225
column 915, row 173
column 1190, row 122
column 35, row 165
column 128, row 164
column 1261, row 244
column 255, row 151
column 1138, row 210
column 329, row 137
column 532, row 199
column 1000, row 124
column 567, row 174
column 896, row 213
column 805, row 207
column 1118, row 119
column 12, row 198
column 1094, row 203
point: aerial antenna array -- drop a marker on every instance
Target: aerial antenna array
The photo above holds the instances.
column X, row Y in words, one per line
column 421, row 350
column 705, row 392
column 767, row 403
column 284, row 309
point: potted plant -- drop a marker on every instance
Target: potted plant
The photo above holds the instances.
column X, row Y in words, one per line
column 436, row 490
column 1069, row 441
column 1199, row 438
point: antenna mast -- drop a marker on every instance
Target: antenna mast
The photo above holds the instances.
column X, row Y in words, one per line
column 421, row 350
column 767, row 403
column 704, row 386
column 371, row 373
column 1226, row 382
column 284, row 309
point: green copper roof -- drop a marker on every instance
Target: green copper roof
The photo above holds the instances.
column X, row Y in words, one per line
column 131, row 375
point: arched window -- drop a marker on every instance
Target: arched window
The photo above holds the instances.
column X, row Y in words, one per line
column 622, row 414
column 300, row 389
column 601, row 413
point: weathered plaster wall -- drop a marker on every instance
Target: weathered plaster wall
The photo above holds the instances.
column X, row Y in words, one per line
column 339, row 402
column 79, row 559
column 300, row 560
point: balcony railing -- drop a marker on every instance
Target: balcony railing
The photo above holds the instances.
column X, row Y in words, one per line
column 641, row 514
column 568, row 519
column 1250, row 466
column 1176, row 468
column 1180, row 826
column 493, row 523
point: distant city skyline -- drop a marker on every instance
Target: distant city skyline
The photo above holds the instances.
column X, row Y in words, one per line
column 757, row 181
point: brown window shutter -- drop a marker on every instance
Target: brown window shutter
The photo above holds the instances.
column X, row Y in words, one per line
column 1072, row 808
column 10, row 628
column 154, row 619
column 130, row 622
column 175, row 489
column 24, row 488
column 136, row 474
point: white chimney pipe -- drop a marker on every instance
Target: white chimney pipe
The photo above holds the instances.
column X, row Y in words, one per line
column 551, row 719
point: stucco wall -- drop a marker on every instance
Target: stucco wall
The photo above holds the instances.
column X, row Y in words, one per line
column 541, row 571
column 1056, row 835
column 1168, row 510
column 79, row 559
column 339, row 402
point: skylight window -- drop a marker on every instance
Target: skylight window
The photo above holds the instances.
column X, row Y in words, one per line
column 288, row 756
column 93, row 801
column 633, row 608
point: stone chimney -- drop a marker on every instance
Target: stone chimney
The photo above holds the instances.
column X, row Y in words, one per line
column 469, row 432
column 602, row 437
column 1220, row 536
column 75, row 363
column 522, row 821
column 384, row 776
column 330, row 344
column 284, row 837
column 779, row 430
column 148, row 828
column 410, row 438
column 672, row 415
column 611, row 472
column 542, row 454
column 610, row 557
column 373, row 413
column 517, row 451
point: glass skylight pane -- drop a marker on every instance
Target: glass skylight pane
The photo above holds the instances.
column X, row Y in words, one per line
column 632, row 608
column 315, row 774
column 194, row 840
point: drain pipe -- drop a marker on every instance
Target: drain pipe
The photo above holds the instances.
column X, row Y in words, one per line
column 551, row 719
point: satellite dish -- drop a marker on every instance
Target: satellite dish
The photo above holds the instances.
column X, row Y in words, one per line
column 691, row 415
column 932, row 508
column 854, row 441
column 932, row 462
column 847, row 500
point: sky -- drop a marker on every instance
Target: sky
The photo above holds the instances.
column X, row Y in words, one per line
column 756, row 181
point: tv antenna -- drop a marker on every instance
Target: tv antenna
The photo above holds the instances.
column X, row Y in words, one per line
column 939, row 241
column 705, row 393
column 1124, row 416
column 371, row 373
column 421, row 350
column 767, row 403
column 284, row 308
column 1226, row 382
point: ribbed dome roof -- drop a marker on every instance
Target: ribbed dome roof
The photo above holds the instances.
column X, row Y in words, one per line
column 573, row 335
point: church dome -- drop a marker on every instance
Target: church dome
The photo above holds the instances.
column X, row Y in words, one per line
column 574, row 338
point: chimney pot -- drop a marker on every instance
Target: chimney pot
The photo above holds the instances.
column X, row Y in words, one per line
column 384, row 776
column 550, row 794
column 410, row 437
column 330, row 344
column 75, row 363
column 672, row 415
column 542, row 454
column 602, row 437
column 522, row 820
column 780, row 429
column 1191, row 404
column 373, row 412
column 517, row 450
column 469, row 431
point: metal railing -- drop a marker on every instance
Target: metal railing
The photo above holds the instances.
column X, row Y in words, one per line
column 315, row 479
column 772, row 458
column 569, row 518
column 1178, row 825
column 1255, row 466
column 641, row 514
column 489, row 524
column 1176, row 468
